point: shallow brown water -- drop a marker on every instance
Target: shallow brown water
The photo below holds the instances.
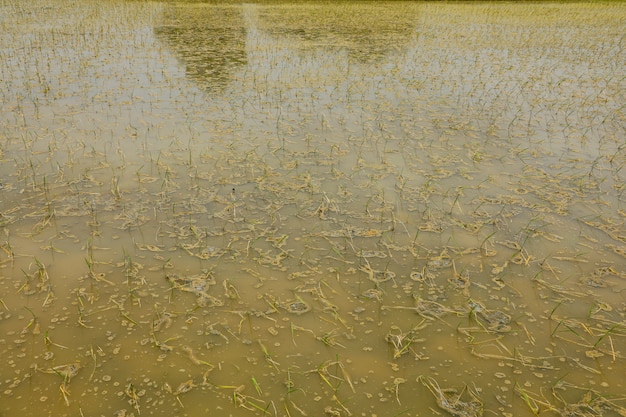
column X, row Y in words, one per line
column 366, row 209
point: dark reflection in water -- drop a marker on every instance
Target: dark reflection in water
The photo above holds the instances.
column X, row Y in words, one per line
column 210, row 38
column 210, row 41
column 366, row 33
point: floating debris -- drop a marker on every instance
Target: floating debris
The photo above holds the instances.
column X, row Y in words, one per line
column 439, row 262
column 424, row 275
column 332, row 411
column 373, row 294
column 496, row 320
column 402, row 341
column 430, row 309
column 133, row 397
column 449, row 399
column 373, row 254
column 198, row 285
column 377, row 277
column 296, row 307
column 597, row 279
column 67, row 372
column 184, row 387
column 163, row 321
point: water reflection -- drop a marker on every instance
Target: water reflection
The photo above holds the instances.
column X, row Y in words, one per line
column 209, row 40
column 367, row 34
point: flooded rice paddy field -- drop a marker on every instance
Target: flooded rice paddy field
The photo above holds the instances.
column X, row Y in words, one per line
column 300, row 209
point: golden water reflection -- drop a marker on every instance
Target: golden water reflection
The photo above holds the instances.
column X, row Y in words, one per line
column 292, row 209
column 209, row 40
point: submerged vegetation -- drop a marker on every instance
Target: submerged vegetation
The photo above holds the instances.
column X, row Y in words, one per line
column 293, row 209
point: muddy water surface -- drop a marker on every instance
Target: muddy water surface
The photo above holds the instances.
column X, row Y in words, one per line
column 291, row 209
